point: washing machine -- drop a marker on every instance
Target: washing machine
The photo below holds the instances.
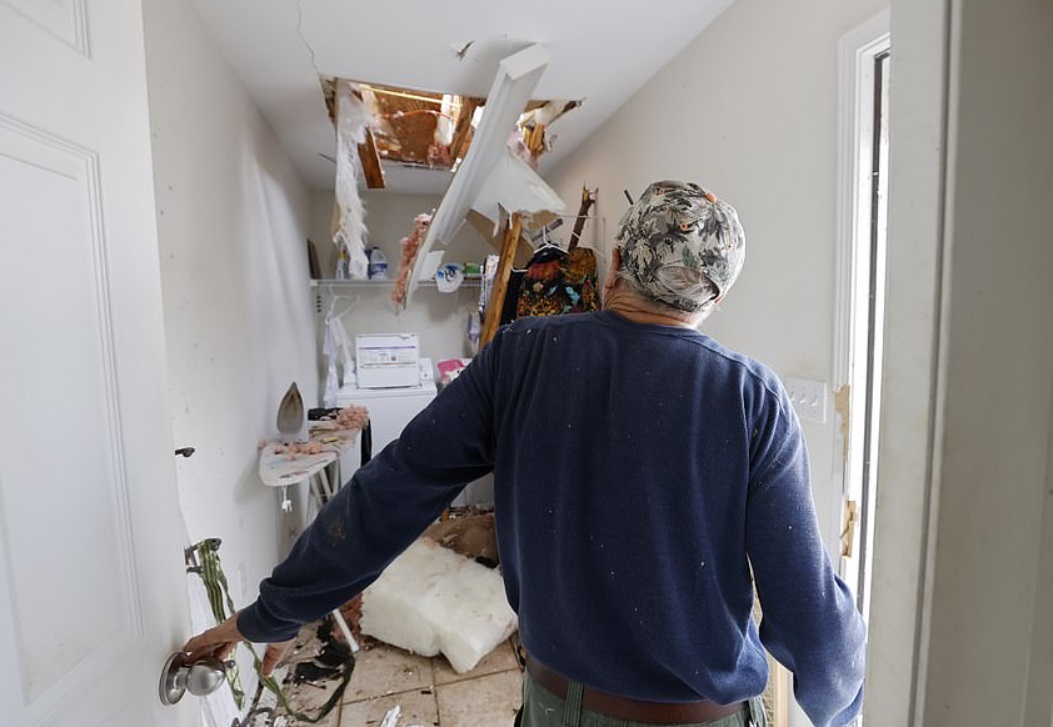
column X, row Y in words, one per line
column 390, row 410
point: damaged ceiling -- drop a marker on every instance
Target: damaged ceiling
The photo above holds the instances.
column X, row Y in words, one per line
column 281, row 49
column 426, row 130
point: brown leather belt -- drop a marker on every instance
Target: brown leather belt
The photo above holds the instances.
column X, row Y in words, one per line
column 632, row 710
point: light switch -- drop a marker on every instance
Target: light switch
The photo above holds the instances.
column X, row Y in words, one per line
column 809, row 398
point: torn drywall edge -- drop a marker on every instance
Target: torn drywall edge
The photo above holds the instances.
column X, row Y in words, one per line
column 513, row 187
column 352, row 122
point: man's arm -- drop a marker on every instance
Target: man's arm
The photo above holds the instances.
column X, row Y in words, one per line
column 387, row 504
column 810, row 622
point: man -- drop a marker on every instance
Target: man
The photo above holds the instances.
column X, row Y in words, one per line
column 645, row 479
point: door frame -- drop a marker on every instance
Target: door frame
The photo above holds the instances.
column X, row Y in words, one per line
column 913, row 376
column 858, row 49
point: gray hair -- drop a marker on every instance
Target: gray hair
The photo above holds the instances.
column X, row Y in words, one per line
column 683, row 283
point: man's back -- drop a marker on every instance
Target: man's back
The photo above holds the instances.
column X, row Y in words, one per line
column 635, row 464
column 641, row 472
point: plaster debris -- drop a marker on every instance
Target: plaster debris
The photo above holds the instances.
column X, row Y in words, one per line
column 469, row 531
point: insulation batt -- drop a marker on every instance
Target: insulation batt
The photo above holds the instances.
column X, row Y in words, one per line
column 410, row 248
column 432, row 600
column 352, row 120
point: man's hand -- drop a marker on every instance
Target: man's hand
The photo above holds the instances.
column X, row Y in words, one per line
column 220, row 641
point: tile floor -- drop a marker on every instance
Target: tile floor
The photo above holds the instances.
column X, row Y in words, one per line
column 429, row 691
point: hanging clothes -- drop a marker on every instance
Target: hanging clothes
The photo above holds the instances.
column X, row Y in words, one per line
column 557, row 282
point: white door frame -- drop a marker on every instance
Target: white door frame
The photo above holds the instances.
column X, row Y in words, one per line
column 912, row 378
column 857, row 52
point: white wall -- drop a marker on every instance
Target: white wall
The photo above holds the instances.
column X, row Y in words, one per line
column 233, row 215
column 749, row 110
column 439, row 318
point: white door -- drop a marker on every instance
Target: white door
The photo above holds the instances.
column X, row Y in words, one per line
column 92, row 587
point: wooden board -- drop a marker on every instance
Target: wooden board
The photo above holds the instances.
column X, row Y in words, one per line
column 504, row 270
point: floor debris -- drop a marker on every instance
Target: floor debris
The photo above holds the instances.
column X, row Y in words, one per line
column 432, row 600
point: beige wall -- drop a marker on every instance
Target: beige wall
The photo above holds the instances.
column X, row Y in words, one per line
column 232, row 219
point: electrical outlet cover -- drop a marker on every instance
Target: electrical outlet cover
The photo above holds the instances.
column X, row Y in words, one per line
column 809, row 398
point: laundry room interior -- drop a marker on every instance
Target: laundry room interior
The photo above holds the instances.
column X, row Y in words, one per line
column 351, row 200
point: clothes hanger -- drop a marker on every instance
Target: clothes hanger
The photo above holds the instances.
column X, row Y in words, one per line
column 352, row 302
column 546, row 244
column 335, row 298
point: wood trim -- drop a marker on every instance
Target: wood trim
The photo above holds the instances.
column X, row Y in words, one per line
column 588, row 198
column 459, row 144
column 500, row 289
column 370, row 158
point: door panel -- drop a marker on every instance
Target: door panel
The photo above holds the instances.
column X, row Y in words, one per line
column 64, row 520
column 92, row 589
column 66, row 20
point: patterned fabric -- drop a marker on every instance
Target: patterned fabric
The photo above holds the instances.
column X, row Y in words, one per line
column 558, row 282
column 681, row 225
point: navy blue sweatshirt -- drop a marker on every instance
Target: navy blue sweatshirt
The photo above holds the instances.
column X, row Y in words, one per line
column 640, row 472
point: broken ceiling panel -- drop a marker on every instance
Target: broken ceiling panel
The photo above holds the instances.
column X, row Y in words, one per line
column 492, row 180
column 435, row 130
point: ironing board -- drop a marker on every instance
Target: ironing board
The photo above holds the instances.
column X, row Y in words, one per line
column 280, row 469
column 277, row 468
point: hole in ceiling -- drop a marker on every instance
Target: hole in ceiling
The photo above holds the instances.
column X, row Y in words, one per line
column 431, row 130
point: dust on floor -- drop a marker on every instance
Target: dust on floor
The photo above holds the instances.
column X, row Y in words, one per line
column 427, row 690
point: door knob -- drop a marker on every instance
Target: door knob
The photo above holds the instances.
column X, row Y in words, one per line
column 200, row 678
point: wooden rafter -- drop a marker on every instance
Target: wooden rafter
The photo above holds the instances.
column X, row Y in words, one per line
column 588, row 198
column 462, row 129
column 500, row 289
column 370, row 158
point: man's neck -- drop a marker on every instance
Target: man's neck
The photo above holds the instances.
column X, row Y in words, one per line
column 630, row 307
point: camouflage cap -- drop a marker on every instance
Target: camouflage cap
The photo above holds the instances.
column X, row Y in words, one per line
column 681, row 225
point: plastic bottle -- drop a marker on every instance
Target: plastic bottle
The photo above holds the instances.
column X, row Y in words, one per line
column 378, row 264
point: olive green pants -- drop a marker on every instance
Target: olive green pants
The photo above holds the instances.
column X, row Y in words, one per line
column 541, row 708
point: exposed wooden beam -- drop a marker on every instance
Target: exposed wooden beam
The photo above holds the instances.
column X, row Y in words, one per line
column 500, row 289
column 588, row 198
column 459, row 145
column 370, row 158
column 534, row 139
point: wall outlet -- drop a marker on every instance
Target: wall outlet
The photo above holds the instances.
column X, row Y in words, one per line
column 809, row 398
